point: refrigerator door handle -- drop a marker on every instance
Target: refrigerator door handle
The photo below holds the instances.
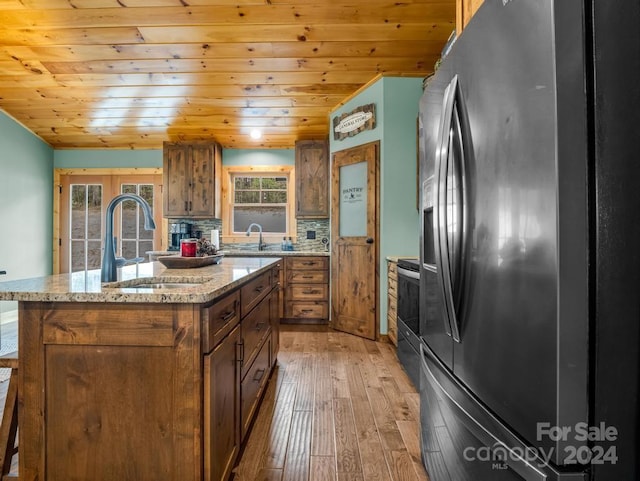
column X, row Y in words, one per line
column 439, row 193
column 453, row 139
column 442, row 198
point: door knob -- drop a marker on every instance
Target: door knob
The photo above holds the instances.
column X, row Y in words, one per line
column 369, row 240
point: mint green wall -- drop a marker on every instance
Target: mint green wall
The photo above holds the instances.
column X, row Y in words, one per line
column 238, row 157
column 106, row 159
column 86, row 159
column 396, row 100
column 26, row 203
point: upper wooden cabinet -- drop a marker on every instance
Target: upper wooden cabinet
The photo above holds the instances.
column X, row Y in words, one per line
column 465, row 9
column 312, row 179
column 191, row 177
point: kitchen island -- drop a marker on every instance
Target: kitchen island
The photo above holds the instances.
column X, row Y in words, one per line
column 154, row 377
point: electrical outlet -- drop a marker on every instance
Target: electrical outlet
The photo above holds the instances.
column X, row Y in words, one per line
column 311, row 234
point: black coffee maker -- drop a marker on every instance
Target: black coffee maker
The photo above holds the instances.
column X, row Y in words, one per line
column 178, row 231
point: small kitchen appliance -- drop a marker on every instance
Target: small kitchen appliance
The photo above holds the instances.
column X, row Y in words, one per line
column 179, row 231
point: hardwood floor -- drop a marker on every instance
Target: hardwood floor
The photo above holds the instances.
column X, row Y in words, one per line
column 337, row 408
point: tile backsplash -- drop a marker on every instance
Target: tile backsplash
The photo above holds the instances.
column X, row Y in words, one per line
column 321, row 228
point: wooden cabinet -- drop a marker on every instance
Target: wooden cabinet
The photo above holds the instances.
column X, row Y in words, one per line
column 312, row 179
column 392, row 302
column 277, row 308
column 191, row 179
column 253, row 384
column 465, row 9
column 306, row 289
column 222, row 408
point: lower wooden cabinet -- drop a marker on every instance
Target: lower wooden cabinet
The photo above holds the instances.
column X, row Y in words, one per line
column 392, row 302
column 221, row 408
column 253, row 385
column 306, row 296
column 237, row 370
column 153, row 391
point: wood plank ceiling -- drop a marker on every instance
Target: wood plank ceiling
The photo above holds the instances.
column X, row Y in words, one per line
column 134, row 73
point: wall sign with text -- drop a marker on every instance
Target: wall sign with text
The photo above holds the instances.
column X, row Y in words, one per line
column 354, row 122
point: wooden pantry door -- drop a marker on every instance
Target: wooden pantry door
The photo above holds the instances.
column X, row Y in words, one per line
column 354, row 257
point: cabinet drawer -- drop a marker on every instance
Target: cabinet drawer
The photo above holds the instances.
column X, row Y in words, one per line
column 253, row 384
column 307, row 310
column 254, row 328
column 252, row 293
column 392, row 333
column 392, row 302
column 392, row 270
column 392, row 288
column 219, row 319
column 308, row 292
column 307, row 277
column 311, row 263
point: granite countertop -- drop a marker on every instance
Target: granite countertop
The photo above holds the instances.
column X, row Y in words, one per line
column 397, row 258
column 252, row 253
column 209, row 282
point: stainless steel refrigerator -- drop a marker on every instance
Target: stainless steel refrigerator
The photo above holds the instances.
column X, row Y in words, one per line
column 530, row 282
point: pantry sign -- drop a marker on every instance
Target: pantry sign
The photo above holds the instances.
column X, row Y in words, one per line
column 354, row 122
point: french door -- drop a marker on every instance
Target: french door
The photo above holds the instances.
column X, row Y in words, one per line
column 83, row 201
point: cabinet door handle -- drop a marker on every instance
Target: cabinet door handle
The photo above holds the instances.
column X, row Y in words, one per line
column 240, row 353
column 259, row 326
column 257, row 377
column 259, row 288
column 190, row 206
column 186, row 205
column 2, row 273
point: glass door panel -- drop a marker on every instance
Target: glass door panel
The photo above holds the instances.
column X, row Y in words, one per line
column 85, row 226
column 353, row 200
column 135, row 240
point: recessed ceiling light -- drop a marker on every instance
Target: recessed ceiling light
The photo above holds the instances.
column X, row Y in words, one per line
column 255, row 134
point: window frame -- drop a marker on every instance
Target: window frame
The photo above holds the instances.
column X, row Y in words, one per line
column 228, row 172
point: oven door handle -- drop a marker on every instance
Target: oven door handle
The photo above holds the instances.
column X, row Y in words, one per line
column 408, row 273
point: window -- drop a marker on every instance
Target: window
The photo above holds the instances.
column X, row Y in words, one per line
column 262, row 200
column 261, row 195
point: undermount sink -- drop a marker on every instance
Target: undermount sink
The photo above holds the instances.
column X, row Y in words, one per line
column 155, row 283
column 163, row 285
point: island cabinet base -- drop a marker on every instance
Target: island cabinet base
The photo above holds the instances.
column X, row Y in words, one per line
column 102, row 397
column 133, row 392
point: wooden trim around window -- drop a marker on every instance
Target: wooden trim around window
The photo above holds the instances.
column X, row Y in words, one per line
column 227, row 171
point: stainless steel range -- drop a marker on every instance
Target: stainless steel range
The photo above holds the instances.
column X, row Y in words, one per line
column 409, row 317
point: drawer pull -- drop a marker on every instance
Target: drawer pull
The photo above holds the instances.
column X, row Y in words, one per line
column 307, row 277
column 259, row 289
column 257, row 377
column 306, row 310
column 240, row 353
column 259, row 326
column 310, row 291
column 309, row 263
column 228, row 315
